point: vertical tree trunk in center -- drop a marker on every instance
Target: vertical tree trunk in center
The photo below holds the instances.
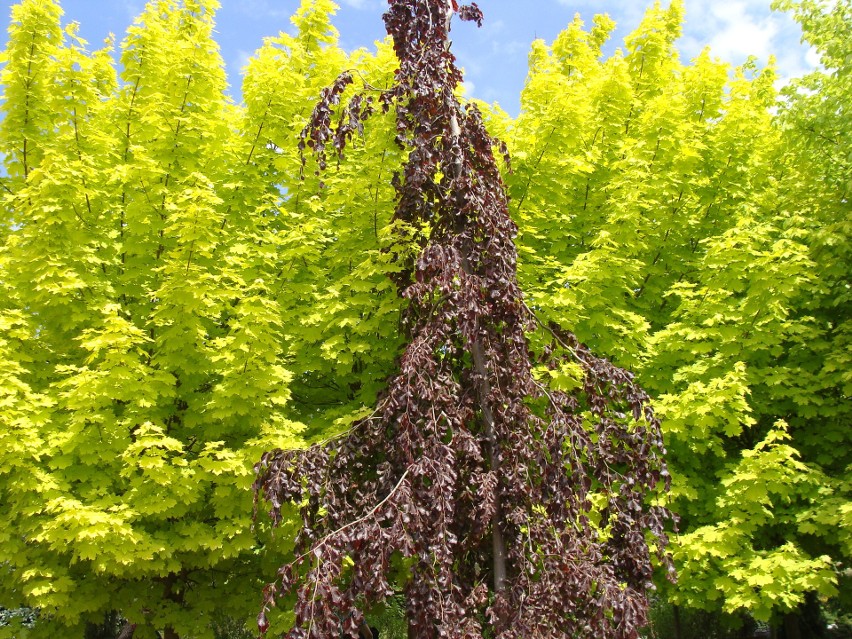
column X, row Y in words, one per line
column 498, row 544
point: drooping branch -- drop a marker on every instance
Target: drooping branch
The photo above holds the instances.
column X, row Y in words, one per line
column 470, row 471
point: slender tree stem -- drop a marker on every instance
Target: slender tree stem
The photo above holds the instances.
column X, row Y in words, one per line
column 498, row 543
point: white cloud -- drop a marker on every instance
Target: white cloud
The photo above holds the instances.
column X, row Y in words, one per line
column 744, row 38
column 739, row 35
column 737, row 29
column 728, row 11
column 241, row 62
column 813, row 58
column 363, row 4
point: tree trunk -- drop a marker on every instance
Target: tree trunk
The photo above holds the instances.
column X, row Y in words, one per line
column 792, row 629
column 170, row 593
column 498, row 543
column 412, row 629
column 678, row 632
column 127, row 631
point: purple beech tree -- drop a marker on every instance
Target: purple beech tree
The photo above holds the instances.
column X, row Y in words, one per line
column 501, row 502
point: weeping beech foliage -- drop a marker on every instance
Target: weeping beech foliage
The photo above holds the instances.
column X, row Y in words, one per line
column 502, row 505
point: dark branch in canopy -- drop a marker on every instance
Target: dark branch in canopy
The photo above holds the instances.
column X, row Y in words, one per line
column 467, row 455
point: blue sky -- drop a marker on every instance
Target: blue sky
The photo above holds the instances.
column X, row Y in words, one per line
column 494, row 57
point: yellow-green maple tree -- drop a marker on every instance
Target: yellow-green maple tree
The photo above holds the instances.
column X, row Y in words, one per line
column 167, row 282
column 656, row 220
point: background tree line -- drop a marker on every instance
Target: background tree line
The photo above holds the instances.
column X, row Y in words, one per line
column 180, row 294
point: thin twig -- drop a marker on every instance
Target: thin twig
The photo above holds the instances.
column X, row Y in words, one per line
column 355, row 521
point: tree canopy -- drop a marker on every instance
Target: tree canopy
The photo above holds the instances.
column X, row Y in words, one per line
column 182, row 290
column 683, row 228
